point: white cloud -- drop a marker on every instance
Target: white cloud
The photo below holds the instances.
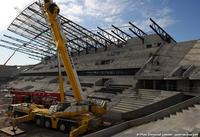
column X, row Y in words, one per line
column 74, row 18
column 106, row 10
column 112, row 12
column 166, row 21
column 71, row 8
column 148, row 12
column 9, row 10
column 103, row 9
column 162, row 16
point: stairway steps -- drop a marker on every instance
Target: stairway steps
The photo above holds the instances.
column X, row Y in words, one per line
column 141, row 98
column 134, row 102
column 117, row 110
column 121, row 109
column 132, row 106
column 128, row 107
column 144, row 95
column 138, row 99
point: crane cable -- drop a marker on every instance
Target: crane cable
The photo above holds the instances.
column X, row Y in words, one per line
column 11, row 56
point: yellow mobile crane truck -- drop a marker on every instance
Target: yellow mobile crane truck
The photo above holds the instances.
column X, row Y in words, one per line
column 77, row 117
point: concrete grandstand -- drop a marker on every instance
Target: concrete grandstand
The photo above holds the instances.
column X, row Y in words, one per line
column 144, row 78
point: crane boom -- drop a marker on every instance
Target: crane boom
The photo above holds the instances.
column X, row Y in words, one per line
column 51, row 11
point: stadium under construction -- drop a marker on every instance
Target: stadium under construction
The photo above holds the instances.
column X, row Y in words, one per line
column 149, row 82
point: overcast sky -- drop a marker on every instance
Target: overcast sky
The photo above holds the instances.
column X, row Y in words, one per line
column 180, row 18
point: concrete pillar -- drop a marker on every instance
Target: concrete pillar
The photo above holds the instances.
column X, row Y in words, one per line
column 167, row 85
column 183, row 85
column 154, row 84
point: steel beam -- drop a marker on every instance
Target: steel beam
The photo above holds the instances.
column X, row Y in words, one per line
column 41, row 42
column 161, row 32
column 28, row 49
column 138, row 32
column 109, row 36
column 21, row 51
column 79, row 39
column 84, row 33
column 121, row 34
column 45, row 49
column 34, row 58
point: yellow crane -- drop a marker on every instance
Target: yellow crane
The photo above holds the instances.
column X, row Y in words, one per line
column 51, row 11
column 72, row 116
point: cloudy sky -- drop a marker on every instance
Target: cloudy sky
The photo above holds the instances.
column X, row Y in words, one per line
column 179, row 17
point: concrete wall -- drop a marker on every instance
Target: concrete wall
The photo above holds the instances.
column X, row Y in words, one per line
column 193, row 56
column 183, row 85
column 195, row 86
column 153, row 39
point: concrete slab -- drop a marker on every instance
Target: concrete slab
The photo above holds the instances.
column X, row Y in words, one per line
column 10, row 131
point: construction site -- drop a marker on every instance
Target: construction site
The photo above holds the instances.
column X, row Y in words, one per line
column 120, row 83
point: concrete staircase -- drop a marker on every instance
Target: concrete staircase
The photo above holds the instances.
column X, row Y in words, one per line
column 167, row 59
column 185, row 122
column 138, row 99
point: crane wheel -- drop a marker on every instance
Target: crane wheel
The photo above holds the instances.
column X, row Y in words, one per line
column 62, row 127
column 47, row 123
column 38, row 121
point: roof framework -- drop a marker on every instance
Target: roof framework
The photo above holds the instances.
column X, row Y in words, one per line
column 32, row 35
column 35, row 36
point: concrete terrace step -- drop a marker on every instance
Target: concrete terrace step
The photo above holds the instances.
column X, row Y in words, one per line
column 138, row 99
column 135, row 103
column 130, row 105
column 127, row 107
column 142, row 96
column 120, row 109
column 151, row 93
column 117, row 110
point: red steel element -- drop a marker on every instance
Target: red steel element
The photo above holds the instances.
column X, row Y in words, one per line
column 45, row 98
